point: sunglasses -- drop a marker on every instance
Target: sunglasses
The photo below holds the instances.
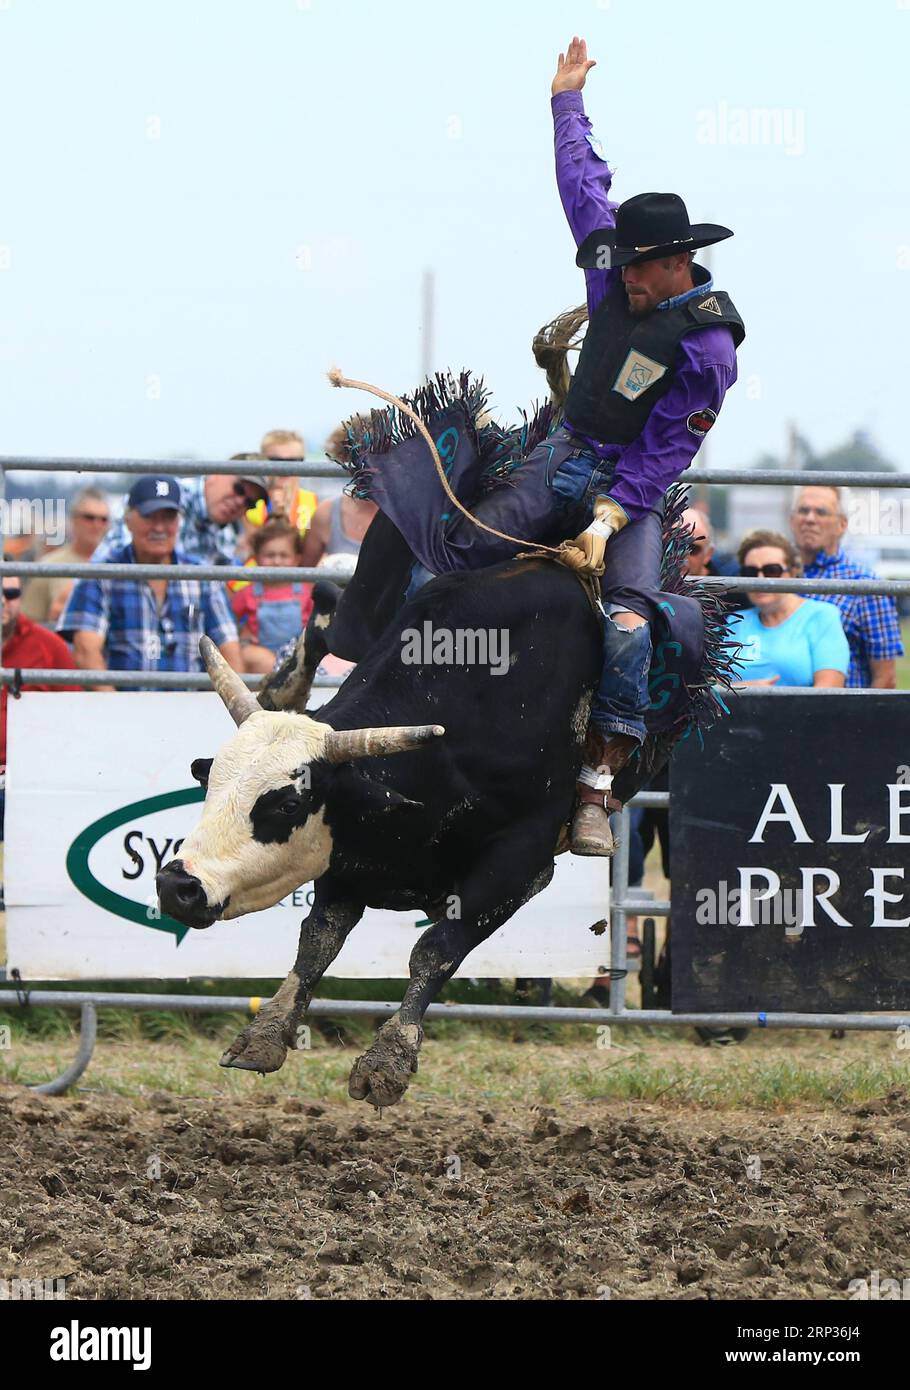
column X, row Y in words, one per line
column 763, row 571
column 12, row 593
column 95, row 517
column 247, row 492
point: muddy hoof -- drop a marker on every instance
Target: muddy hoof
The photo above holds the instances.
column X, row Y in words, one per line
column 382, row 1075
column 251, row 1051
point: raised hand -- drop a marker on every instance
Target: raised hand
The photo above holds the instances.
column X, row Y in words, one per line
column 572, row 68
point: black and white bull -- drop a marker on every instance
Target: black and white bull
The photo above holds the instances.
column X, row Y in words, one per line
column 441, row 787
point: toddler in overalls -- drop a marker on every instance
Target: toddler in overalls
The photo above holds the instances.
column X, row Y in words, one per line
column 272, row 613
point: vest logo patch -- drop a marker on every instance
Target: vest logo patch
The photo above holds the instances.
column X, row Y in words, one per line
column 711, row 306
column 636, row 374
column 700, row 421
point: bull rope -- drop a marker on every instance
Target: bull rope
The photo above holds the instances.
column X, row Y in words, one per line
column 338, row 379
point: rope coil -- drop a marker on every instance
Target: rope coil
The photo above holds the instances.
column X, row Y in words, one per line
column 337, row 378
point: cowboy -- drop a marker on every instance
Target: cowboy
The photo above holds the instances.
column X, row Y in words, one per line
column 657, row 360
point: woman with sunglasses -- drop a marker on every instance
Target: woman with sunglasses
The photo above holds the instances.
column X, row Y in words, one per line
column 786, row 639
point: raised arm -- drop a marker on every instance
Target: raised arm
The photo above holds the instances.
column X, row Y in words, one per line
column 583, row 175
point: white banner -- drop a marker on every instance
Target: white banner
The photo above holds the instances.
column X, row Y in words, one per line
column 98, row 793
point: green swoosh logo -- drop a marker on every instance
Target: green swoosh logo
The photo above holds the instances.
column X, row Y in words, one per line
column 91, row 888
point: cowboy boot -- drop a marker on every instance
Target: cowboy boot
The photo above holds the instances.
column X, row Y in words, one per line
column 591, row 833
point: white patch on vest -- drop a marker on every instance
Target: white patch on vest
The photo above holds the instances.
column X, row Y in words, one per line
column 711, row 306
column 636, row 374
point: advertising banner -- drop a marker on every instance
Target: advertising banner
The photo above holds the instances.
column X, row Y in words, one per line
column 99, row 795
column 790, row 857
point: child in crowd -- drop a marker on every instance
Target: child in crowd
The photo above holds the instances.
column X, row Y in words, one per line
column 271, row 613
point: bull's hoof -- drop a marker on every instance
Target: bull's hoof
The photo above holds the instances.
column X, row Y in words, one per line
column 382, row 1075
column 255, row 1051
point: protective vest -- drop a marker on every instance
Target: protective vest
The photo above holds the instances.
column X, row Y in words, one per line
column 627, row 361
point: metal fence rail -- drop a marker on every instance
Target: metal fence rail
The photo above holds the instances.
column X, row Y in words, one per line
column 88, row 1001
column 226, row 574
column 303, row 468
column 141, row 680
column 183, row 468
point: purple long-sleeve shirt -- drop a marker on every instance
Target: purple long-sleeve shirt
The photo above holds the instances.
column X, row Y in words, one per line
column 705, row 361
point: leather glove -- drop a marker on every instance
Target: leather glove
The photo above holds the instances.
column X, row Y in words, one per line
column 585, row 554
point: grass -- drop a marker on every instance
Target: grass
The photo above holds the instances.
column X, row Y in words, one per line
column 476, row 1064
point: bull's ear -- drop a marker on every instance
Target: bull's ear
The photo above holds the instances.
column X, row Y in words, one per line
column 200, row 769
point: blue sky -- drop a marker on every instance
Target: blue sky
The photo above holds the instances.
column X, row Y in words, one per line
column 205, row 205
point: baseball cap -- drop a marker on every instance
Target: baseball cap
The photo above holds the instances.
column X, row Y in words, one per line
column 259, row 479
column 154, row 495
column 256, row 478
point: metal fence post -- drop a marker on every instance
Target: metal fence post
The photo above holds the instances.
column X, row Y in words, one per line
column 619, row 891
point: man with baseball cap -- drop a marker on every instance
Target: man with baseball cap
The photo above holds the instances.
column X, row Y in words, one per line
column 154, row 624
column 212, row 510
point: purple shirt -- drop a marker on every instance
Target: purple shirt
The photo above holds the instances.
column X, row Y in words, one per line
column 705, row 360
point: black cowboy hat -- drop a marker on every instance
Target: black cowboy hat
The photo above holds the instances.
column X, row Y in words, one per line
column 648, row 226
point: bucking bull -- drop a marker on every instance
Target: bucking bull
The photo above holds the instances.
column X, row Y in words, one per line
column 443, row 786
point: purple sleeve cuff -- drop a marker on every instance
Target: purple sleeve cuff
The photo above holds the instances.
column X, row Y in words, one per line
column 567, row 101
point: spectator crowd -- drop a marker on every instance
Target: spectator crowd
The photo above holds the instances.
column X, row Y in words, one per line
column 264, row 521
column 114, row 624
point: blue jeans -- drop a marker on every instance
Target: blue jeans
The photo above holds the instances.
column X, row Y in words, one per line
column 551, row 496
column 621, row 699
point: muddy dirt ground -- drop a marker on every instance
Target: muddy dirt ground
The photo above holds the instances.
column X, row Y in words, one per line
column 281, row 1198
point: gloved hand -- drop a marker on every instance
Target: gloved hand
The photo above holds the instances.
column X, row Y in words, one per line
column 585, row 554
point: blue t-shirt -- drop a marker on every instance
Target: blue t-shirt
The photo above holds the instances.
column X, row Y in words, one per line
column 811, row 639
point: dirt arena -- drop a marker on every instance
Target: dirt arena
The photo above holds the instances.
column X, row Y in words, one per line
column 278, row 1197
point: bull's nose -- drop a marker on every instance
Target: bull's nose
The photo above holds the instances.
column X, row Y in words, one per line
column 183, row 897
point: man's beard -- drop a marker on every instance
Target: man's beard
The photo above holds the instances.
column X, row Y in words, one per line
column 638, row 304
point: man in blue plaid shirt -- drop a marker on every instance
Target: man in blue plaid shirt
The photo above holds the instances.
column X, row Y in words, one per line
column 210, row 524
column 869, row 620
column 151, row 625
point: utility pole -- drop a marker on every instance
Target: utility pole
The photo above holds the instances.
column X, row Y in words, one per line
column 425, row 326
column 703, row 491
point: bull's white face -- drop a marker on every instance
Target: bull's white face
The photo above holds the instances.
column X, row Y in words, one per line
column 256, row 841
column 263, row 830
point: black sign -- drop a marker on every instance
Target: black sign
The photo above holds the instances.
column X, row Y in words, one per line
column 790, row 836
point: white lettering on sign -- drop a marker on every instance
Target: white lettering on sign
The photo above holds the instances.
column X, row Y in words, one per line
column 781, row 808
column 748, row 896
column 789, row 815
column 880, row 897
column 838, row 837
column 810, row 897
column 896, row 809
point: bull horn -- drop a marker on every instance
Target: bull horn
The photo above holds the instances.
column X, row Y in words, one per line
column 240, row 702
column 342, row 745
